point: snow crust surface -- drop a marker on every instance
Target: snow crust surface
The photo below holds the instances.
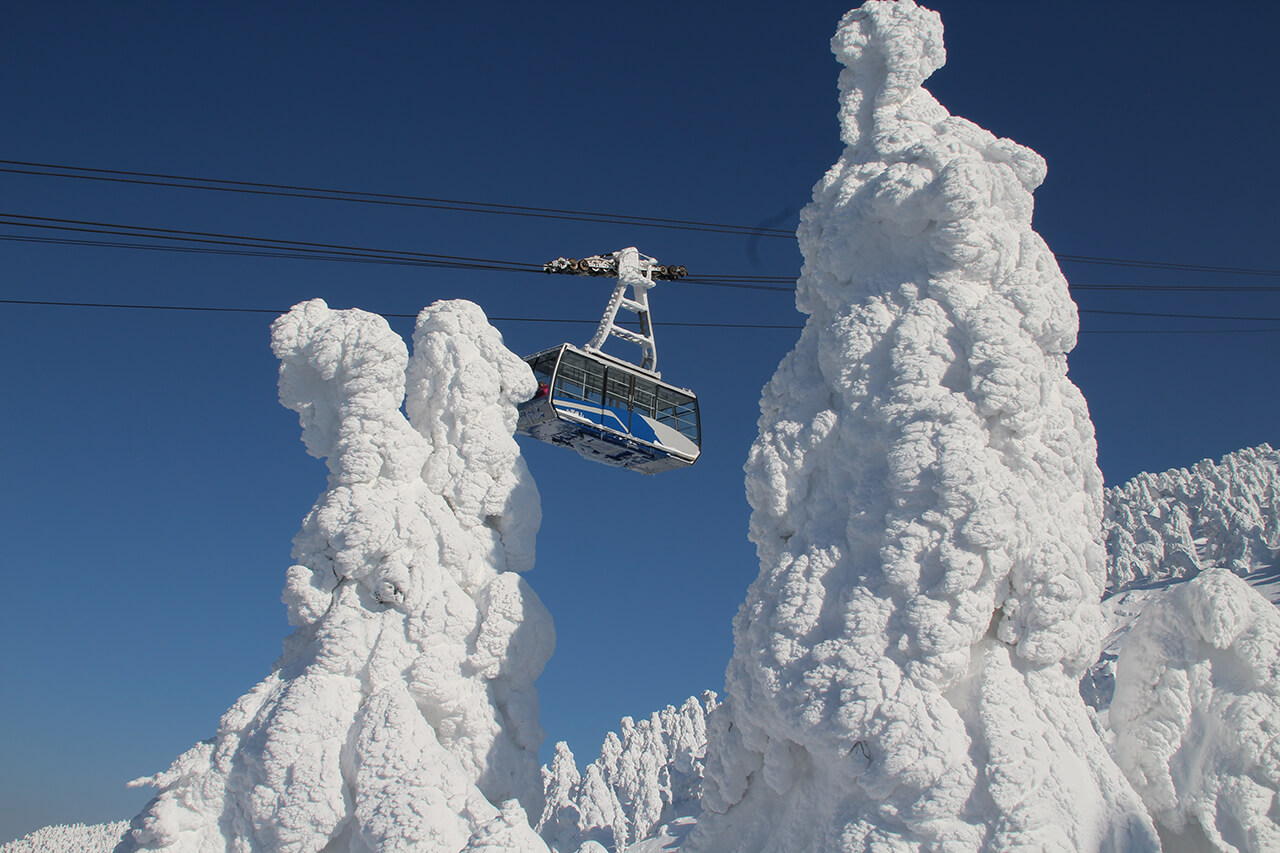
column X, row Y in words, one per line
column 1196, row 713
column 402, row 714
column 926, row 509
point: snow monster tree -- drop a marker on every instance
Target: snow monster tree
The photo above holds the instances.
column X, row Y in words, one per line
column 926, row 509
column 402, row 715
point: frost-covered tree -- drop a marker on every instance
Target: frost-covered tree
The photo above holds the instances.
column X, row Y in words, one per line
column 926, row 509
column 1163, row 529
column 644, row 778
column 561, row 786
column 402, row 715
column 1171, row 525
column 1196, row 714
column 602, row 817
column 93, row 838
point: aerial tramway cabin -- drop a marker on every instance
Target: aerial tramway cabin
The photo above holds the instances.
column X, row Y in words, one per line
column 611, row 411
column 607, row 409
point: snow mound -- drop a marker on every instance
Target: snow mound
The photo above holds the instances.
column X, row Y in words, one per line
column 1164, row 529
column 63, row 838
column 402, row 714
column 1171, row 526
column 1196, row 713
column 926, row 509
column 643, row 780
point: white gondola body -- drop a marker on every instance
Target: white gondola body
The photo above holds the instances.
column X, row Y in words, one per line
column 611, row 411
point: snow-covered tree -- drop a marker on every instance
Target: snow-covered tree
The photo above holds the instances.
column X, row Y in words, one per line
column 402, row 715
column 561, row 786
column 94, row 838
column 1196, row 714
column 1165, row 528
column 1171, row 525
column 926, row 509
column 648, row 776
column 602, row 817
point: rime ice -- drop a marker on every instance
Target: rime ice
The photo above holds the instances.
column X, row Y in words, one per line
column 402, row 715
column 926, row 509
column 644, row 779
column 1196, row 714
column 1163, row 529
column 1171, row 525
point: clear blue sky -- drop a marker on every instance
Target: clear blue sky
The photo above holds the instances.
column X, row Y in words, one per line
column 152, row 483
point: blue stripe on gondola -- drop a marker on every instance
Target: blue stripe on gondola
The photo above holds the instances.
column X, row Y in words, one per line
column 610, row 418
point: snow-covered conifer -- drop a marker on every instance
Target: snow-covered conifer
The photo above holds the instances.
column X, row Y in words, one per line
column 402, row 714
column 1171, row 525
column 602, row 817
column 646, row 777
column 1163, row 529
column 561, row 816
column 78, row 837
column 1196, row 714
column 926, row 509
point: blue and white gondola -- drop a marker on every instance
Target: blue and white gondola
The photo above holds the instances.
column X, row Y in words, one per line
column 611, row 411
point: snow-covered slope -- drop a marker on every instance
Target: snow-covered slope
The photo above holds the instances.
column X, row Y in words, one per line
column 926, row 508
column 402, row 714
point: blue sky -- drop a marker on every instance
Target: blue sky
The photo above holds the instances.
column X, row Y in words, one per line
column 152, row 482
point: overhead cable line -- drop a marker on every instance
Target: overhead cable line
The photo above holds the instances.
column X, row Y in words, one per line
column 791, row 326
column 1179, row 316
column 1171, row 288
column 285, row 248
column 262, row 247
column 214, row 238
column 276, row 247
column 230, row 310
column 26, row 167
column 1163, row 265
column 393, row 199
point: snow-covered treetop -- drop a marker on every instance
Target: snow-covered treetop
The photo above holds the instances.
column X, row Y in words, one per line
column 1174, row 524
column 402, row 714
column 643, row 778
column 926, row 507
column 1196, row 714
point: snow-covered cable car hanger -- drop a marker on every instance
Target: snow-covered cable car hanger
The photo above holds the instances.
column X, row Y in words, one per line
column 607, row 409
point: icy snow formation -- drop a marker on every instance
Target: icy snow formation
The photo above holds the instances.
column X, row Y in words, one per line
column 1164, row 529
column 1172, row 525
column 926, row 509
column 643, row 779
column 1197, row 714
column 402, row 714
column 62, row 838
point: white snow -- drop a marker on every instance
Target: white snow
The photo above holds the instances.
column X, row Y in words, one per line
column 643, row 780
column 1196, row 713
column 926, row 509
column 1171, row 525
column 64, row 838
column 929, row 520
column 402, row 715
column 1163, row 529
